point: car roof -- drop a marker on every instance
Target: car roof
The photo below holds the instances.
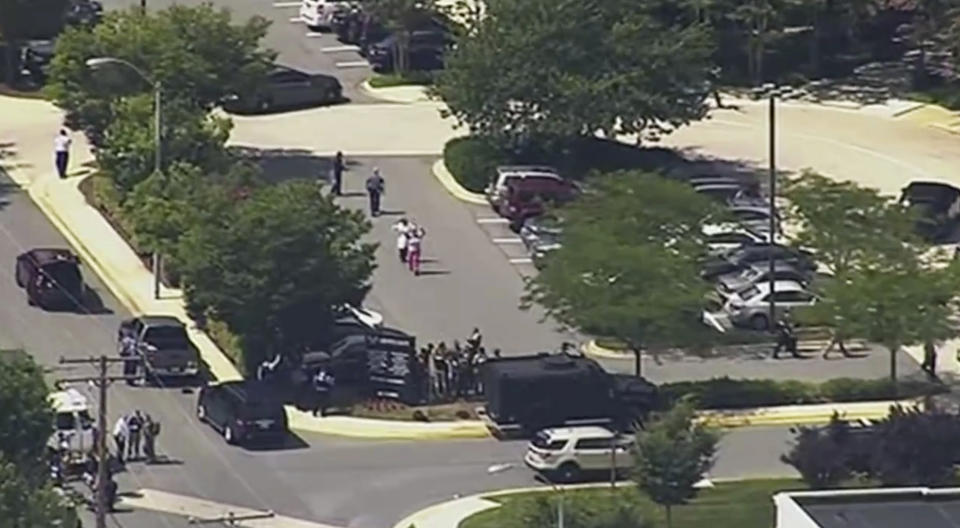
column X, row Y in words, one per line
column 160, row 320
column 929, row 186
column 581, row 431
column 699, row 187
column 527, row 170
column 250, row 390
column 778, row 265
column 49, row 255
column 70, row 400
column 780, row 286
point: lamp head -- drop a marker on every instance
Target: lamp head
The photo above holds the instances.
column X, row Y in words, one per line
column 97, row 62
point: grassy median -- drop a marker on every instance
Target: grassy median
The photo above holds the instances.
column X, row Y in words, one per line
column 743, row 504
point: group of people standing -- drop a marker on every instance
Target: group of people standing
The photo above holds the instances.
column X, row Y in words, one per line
column 454, row 372
column 410, row 243
column 136, row 433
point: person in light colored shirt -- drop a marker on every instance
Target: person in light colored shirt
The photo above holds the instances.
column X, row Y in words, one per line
column 61, row 148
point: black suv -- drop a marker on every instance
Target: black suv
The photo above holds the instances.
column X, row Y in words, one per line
column 51, row 277
column 425, row 51
column 936, row 206
column 242, row 411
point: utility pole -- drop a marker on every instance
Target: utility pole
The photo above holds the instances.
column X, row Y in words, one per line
column 102, row 380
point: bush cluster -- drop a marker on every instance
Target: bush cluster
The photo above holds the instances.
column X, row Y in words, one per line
column 729, row 393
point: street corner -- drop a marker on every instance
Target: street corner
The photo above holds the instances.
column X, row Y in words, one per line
column 592, row 349
column 407, row 94
column 374, row 429
column 453, row 187
column 791, row 415
column 448, row 514
column 933, row 116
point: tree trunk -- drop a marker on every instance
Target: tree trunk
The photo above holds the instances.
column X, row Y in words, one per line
column 638, row 355
column 669, row 512
column 893, row 363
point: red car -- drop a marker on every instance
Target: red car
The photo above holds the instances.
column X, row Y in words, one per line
column 527, row 198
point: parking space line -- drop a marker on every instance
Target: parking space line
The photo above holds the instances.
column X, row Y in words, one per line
column 521, row 260
column 296, row 20
column 492, row 220
column 510, row 240
column 338, row 49
column 286, row 4
column 315, row 34
column 353, row 64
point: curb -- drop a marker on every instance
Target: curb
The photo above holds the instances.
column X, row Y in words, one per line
column 812, row 414
column 909, row 110
column 453, row 187
column 949, row 129
column 222, row 369
column 383, row 94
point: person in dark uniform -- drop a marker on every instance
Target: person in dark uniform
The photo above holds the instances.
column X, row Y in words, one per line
column 322, row 386
column 337, row 169
column 786, row 339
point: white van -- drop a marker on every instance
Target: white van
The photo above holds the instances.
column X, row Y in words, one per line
column 317, row 14
column 73, row 425
column 567, row 453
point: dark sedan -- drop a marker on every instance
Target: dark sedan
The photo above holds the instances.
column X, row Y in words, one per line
column 286, row 88
column 425, row 52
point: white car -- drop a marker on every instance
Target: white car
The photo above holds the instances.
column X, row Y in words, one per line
column 73, row 425
column 721, row 238
column 565, row 454
column 318, row 14
column 750, row 306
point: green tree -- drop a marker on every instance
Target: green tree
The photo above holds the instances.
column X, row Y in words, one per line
column 24, row 504
column 629, row 264
column 19, row 20
column 600, row 66
column 275, row 265
column 196, row 52
column 673, row 453
column 26, row 419
column 912, row 448
column 821, row 455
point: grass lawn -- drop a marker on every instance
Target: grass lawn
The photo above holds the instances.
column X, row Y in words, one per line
column 407, row 79
column 744, row 504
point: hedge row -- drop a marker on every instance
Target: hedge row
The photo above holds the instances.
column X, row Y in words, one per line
column 728, row 393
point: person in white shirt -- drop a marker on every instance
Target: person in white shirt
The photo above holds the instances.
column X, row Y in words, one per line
column 61, row 148
column 402, row 227
column 120, row 434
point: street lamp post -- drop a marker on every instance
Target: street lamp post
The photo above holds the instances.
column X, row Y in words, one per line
column 101, row 62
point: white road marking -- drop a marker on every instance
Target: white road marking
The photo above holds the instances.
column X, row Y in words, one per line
column 521, row 260
column 492, row 220
column 353, row 64
column 296, row 20
column 315, row 34
column 162, row 501
column 507, row 241
column 286, row 4
column 338, row 49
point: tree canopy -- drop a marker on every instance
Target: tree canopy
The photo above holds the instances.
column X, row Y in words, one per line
column 276, row 265
column 26, row 505
column 196, row 52
column 673, row 453
column 26, row 419
column 629, row 264
column 573, row 67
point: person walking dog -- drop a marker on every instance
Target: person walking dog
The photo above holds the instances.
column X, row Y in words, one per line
column 61, row 148
column 375, row 190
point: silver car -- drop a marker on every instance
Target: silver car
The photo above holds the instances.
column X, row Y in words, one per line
column 750, row 306
column 756, row 218
column 760, row 272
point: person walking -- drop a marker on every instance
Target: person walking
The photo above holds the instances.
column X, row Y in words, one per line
column 402, row 227
column 475, row 340
column 322, row 386
column 151, row 430
column 375, row 190
column 786, row 340
column 120, row 434
column 134, row 428
column 441, row 367
column 337, row 169
column 128, row 350
column 836, row 341
column 61, row 148
column 415, row 248
column 929, row 364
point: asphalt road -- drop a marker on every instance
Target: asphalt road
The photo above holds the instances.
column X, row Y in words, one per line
column 313, row 54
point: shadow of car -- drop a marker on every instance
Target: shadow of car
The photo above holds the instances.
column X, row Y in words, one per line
column 286, row 89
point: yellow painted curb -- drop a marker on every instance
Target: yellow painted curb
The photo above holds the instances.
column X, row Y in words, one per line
column 385, row 429
column 592, row 349
column 814, row 414
column 453, row 186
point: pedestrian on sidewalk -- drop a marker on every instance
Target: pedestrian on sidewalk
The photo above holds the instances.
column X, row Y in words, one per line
column 836, row 340
column 375, row 190
column 120, row 438
column 402, row 227
column 134, row 428
column 415, row 248
column 151, row 430
column 61, row 148
column 786, row 339
column 929, row 364
column 338, row 167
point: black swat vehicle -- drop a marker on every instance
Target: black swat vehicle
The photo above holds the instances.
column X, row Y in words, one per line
column 529, row 393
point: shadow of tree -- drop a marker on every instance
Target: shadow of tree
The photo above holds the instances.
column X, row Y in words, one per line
column 279, row 165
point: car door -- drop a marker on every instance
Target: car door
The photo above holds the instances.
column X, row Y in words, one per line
column 593, row 453
column 214, row 407
column 289, row 88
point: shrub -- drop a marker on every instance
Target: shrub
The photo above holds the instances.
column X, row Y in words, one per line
column 227, row 341
column 421, row 78
column 472, row 161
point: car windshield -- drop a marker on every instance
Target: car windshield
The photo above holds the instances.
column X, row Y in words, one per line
column 748, row 292
column 261, row 410
column 65, row 274
column 66, row 420
column 166, row 334
column 542, row 440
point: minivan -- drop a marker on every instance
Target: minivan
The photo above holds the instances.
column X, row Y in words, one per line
column 243, row 411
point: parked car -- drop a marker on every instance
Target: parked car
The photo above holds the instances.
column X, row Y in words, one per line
column 162, row 343
column 936, row 204
column 760, row 272
column 505, row 174
column 353, row 26
column 286, row 88
column 35, row 58
column 750, row 306
column 740, row 258
column 713, row 179
column 732, row 194
column 568, row 453
column 541, row 235
column 755, row 217
column 242, row 411
column 51, row 277
column 528, row 198
column 72, row 425
column 318, row 14
column 425, row 51
column 723, row 238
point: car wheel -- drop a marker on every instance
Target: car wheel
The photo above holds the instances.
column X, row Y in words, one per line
column 759, row 322
column 228, row 435
column 201, row 413
column 568, row 472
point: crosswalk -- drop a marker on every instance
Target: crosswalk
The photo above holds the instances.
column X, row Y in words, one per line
column 197, row 510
